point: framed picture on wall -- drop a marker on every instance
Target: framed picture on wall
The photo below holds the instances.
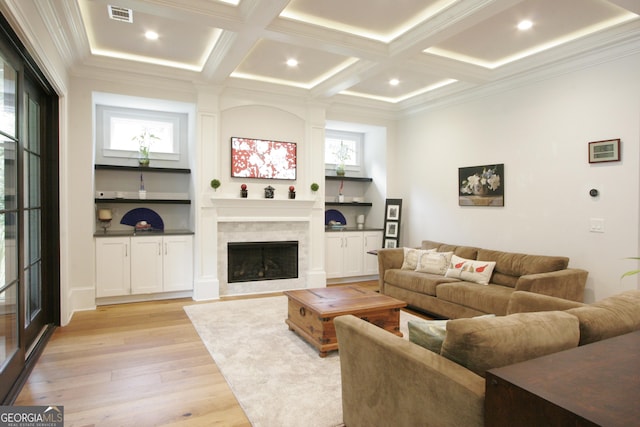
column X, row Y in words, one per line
column 393, row 214
column 260, row 158
column 604, row 151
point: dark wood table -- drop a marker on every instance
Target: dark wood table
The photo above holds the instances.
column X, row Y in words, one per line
column 311, row 312
column 593, row 385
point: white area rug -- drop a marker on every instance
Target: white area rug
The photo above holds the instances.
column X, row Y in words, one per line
column 277, row 377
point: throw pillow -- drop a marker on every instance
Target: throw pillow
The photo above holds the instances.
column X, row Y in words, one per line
column 411, row 256
column 428, row 333
column 470, row 270
column 434, row 262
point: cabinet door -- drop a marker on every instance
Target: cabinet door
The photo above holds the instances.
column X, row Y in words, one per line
column 333, row 247
column 113, row 266
column 146, row 264
column 372, row 241
column 177, row 263
column 352, row 254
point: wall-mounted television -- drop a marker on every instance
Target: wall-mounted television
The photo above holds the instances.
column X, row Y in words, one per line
column 260, row 158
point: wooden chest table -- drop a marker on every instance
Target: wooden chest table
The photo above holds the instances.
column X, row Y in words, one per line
column 311, row 312
column 593, row 385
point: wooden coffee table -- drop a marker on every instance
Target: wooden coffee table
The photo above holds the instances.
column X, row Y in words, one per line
column 311, row 312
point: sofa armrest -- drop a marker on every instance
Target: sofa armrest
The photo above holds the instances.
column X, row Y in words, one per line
column 387, row 259
column 568, row 284
column 385, row 377
column 527, row 302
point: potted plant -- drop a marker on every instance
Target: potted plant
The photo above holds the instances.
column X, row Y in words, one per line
column 342, row 155
column 314, row 187
column 144, row 140
column 215, row 183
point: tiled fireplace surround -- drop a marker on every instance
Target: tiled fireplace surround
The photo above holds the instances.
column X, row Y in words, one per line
column 262, row 220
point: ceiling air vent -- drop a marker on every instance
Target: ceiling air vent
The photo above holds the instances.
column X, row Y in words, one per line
column 120, row 14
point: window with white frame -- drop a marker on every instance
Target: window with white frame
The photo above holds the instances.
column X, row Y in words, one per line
column 343, row 147
column 118, row 129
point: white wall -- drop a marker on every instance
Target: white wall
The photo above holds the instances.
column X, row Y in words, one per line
column 540, row 132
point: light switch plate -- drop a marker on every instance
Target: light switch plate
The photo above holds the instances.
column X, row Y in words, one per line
column 596, row 225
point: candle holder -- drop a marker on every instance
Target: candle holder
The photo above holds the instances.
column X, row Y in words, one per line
column 104, row 218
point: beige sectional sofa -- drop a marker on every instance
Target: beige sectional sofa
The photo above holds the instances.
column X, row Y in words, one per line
column 390, row 381
column 447, row 295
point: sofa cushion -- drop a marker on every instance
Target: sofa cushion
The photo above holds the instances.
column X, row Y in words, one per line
column 485, row 298
column 411, row 257
column 434, row 262
column 424, row 283
column 470, row 270
column 610, row 317
column 510, row 266
column 480, row 344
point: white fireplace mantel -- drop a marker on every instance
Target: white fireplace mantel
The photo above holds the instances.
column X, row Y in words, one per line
column 262, row 210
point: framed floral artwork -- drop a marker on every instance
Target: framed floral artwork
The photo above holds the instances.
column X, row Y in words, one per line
column 260, row 158
column 481, row 185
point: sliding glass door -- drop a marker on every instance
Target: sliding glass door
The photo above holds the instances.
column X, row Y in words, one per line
column 29, row 224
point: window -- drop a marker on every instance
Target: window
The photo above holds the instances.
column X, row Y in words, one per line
column 118, row 127
column 343, row 147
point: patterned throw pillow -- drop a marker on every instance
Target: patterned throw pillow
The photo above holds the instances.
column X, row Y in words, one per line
column 434, row 262
column 411, row 257
column 470, row 270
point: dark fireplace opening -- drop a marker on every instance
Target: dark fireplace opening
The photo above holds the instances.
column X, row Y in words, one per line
column 252, row 261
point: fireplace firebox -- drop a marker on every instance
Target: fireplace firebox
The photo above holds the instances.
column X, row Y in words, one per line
column 254, row 261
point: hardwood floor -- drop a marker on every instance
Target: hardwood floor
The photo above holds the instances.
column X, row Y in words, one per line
column 139, row 364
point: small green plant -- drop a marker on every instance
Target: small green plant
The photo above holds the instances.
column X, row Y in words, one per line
column 315, row 186
column 215, row 183
column 632, row 272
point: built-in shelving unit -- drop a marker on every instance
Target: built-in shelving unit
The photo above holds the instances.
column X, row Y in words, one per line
column 145, row 201
column 354, row 204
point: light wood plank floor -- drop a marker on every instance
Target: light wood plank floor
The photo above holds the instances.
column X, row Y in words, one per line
column 140, row 364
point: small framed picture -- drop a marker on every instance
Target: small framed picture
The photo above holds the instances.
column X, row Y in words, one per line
column 390, row 243
column 391, row 229
column 604, row 151
column 393, row 212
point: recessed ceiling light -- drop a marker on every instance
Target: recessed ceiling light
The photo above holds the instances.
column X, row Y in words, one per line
column 525, row 25
column 394, row 82
column 292, row 62
column 151, row 35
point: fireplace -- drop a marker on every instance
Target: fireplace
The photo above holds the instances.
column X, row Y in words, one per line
column 255, row 261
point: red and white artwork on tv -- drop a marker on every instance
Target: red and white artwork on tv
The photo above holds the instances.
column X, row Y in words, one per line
column 258, row 158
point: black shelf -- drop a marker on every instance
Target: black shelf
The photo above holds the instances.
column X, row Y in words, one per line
column 142, row 169
column 364, row 204
column 348, row 178
column 146, row 201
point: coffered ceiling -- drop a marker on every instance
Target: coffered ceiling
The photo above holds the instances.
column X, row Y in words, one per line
column 346, row 49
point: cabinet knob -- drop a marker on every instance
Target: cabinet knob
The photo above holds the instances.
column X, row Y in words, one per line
column 303, row 312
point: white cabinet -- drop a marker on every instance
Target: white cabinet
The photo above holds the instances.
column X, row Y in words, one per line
column 143, row 265
column 146, row 264
column 346, row 253
column 372, row 241
column 113, row 266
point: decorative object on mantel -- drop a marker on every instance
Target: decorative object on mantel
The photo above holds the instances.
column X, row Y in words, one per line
column 243, row 191
column 144, row 140
column 268, row 192
column 481, row 185
column 105, row 216
column 142, row 193
column 215, row 184
column 314, row 187
column 292, row 192
column 604, row 151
